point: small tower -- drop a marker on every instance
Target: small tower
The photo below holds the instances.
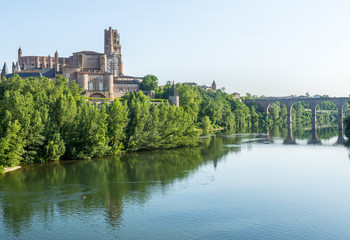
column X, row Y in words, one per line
column 174, row 98
column 213, row 86
column 4, row 70
column 19, row 55
column 57, row 64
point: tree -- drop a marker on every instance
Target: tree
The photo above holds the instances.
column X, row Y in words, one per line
column 149, row 82
column 11, row 146
column 206, row 124
column 117, row 121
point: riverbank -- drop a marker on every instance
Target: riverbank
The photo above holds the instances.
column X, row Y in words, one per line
column 10, row 169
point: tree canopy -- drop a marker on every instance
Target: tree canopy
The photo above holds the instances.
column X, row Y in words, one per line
column 149, row 82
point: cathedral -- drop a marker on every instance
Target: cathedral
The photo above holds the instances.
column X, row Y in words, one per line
column 99, row 74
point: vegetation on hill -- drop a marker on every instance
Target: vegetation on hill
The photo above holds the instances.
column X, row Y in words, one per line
column 149, row 82
column 42, row 121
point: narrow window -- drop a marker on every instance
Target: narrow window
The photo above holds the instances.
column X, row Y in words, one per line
column 90, row 86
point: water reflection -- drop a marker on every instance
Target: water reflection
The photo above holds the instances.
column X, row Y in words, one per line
column 80, row 191
column 41, row 193
column 313, row 135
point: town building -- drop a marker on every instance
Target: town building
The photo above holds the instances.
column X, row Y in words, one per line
column 36, row 62
column 99, row 74
column 236, row 95
column 204, row 87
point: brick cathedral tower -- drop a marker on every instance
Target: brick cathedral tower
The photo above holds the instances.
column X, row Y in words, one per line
column 113, row 52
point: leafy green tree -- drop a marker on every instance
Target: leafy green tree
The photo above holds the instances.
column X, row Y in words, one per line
column 254, row 117
column 11, row 145
column 190, row 99
column 206, row 124
column 149, row 82
column 141, row 130
column 117, row 121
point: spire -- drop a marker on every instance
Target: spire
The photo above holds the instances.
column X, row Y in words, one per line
column 4, row 70
column 173, row 91
column 19, row 49
column 56, row 54
column 213, row 85
column 18, row 67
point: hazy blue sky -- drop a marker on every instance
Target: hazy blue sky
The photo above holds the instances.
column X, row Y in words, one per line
column 265, row 47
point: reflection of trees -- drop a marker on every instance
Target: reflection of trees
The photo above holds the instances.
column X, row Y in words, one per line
column 301, row 132
column 84, row 187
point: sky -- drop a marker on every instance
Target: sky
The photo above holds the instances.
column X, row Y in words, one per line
column 262, row 47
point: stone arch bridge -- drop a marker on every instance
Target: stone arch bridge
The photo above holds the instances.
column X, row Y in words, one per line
column 313, row 102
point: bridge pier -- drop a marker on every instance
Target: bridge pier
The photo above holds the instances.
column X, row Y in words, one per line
column 314, row 139
column 266, row 106
column 289, row 113
column 340, row 116
column 340, row 106
column 290, row 138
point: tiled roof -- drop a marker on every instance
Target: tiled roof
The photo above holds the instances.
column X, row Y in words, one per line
column 25, row 74
column 89, row 52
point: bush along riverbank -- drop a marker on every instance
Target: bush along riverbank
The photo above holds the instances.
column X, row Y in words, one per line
column 44, row 121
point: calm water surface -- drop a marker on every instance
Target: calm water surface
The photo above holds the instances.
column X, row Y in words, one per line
column 244, row 186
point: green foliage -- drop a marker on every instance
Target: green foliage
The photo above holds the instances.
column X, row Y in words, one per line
column 222, row 109
column 149, row 82
column 11, row 145
column 205, row 124
column 347, row 127
column 158, row 100
column 153, row 126
column 190, row 99
column 117, row 121
column 42, row 121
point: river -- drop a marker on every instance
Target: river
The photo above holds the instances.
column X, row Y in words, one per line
column 235, row 186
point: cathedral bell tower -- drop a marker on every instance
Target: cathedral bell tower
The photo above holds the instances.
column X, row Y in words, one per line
column 112, row 49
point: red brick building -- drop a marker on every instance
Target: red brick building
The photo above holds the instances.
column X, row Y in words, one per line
column 99, row 74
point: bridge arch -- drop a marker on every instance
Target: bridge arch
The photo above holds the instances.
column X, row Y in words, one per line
column 313, row 102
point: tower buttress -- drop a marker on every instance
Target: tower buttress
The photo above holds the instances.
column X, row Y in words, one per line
column 57, row 63
column 19, row 55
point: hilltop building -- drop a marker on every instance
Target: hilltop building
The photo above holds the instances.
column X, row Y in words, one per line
column 237, row 96
column 99, row 74
column 213, row 86
column 36, row 62
column 204, row 87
